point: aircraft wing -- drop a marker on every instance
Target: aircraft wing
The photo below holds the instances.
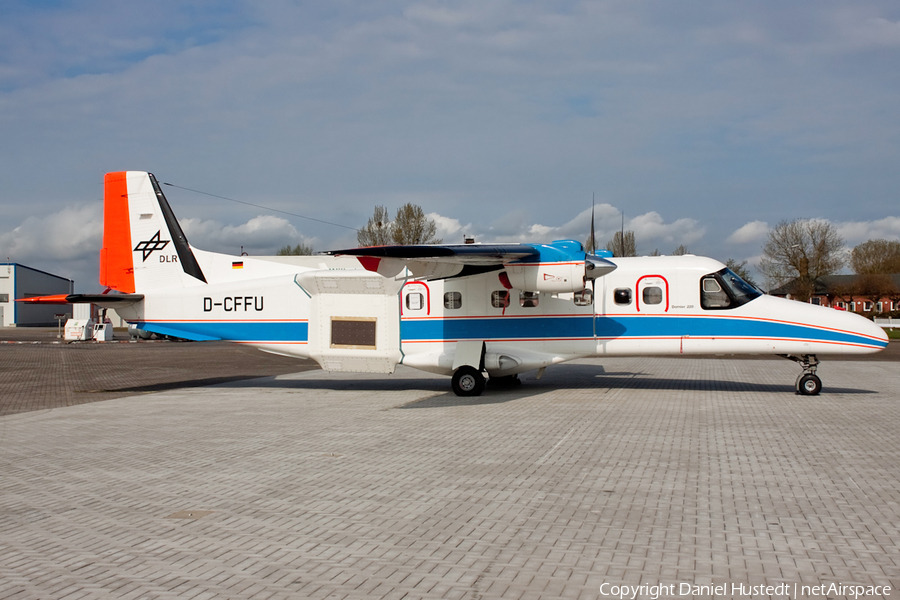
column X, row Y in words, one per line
column 458, row 260
column 464, row 254
column 439, row 261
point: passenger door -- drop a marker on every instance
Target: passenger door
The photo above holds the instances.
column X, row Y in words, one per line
column 652, row 295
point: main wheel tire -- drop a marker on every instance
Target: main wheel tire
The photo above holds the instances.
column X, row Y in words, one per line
column 467, row 381
column 809, row 385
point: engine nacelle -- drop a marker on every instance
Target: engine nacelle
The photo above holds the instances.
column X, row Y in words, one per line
column 547, row 277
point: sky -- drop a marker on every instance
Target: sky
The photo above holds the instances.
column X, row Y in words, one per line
column 704, row 123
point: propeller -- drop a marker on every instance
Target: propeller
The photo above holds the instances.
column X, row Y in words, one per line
column 595, row 266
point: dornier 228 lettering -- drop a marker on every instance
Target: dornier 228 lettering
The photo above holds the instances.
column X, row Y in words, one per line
column 234, row 303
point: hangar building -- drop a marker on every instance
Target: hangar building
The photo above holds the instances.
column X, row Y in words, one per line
column 19, row 281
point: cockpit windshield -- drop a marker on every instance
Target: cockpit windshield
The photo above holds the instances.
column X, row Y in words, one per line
column 725, row 289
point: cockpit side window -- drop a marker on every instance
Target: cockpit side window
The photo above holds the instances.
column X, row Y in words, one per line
column 725, row 289
column 712, row 296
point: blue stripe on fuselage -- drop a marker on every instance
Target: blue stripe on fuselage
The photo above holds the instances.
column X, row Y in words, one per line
column 497, row 328
column 527, row 328
column 643, row 326
column 236, row 331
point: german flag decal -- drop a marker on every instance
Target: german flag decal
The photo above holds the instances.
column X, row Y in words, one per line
column 238, row 264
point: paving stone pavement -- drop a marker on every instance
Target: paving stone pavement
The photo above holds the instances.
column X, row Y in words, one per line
column 41, row 374
column 312, row 485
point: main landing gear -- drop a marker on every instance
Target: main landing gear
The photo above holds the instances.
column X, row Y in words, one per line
column 467, row 381
column 808, row 383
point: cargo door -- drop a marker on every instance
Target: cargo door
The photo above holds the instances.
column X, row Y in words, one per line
column 354, row 320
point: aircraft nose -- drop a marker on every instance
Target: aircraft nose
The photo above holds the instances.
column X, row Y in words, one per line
column 880, row 332
column 867, row 328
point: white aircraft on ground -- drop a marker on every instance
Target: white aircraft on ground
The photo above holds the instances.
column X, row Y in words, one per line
column 463, row 310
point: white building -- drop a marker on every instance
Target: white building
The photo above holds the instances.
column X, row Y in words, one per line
column 19, row 281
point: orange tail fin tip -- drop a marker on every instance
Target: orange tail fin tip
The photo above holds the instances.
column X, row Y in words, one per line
column 116, row 265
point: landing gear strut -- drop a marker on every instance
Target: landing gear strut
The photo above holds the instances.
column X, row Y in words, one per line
column 467, row 381
column 808, row 383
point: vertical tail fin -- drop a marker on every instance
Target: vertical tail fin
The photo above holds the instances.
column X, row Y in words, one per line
column 143, row 244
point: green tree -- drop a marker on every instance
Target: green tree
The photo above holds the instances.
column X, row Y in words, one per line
column 876, row 257
column 800, row 252
column 298, row 250
column 618, row 248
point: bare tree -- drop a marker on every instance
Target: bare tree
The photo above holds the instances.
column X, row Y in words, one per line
column 298, row 250
column 412, row 226
column 680, row 250
column 842, row 292
column 801, row 251
column 618, row 248
column 377, row 231
column 876, row 256
column 875, row 286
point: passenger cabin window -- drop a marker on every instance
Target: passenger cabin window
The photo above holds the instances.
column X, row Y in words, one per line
column 584, row 298
column 725, row 289
column 500, row 299
column 622, row 296
column 452, row 300
column 528, row 299
column 414, row 301
column 652, row 295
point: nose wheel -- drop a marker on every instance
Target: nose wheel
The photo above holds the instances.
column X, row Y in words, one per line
column 808, row 383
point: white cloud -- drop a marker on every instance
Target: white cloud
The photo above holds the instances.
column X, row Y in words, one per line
column 73, row 233
column 754, row 231
column 856, row 232
column 450, row 230
column 262, row 235
column 651, row 228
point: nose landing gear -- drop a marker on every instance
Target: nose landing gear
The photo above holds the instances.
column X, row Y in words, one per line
column 808, row 383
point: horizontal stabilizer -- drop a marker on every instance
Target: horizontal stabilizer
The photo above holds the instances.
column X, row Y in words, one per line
column 105, row 300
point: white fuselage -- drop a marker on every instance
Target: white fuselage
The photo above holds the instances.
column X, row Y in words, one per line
column 347, row 318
